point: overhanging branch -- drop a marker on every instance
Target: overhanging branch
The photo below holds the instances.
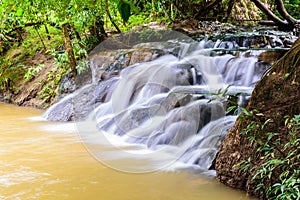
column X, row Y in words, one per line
column 269, row 13
column 32, row 24
column 282, row 11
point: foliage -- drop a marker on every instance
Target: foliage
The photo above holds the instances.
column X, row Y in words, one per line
column 36, row 26
column 54, row 76
column 8, row 73
column 15, row 65
column 32, row 72
column 30, row 24
column 278, row 176
column 230, row 100
column 82, row 66
column 124, row 9
column 293, row 8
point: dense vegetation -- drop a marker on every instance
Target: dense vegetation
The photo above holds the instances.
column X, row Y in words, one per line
column 278, row 176
column 36, row 35
column 66, row 30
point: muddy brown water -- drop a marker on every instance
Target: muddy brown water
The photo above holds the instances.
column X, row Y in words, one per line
column 37, row 162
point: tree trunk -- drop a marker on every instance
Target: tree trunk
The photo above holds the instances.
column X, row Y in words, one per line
column 98, row 30
column 269, row 13
column 37, row 31
column 78, row 38
column 110, row 18
column 69, row 49
column 100, row 25
column 282, row 11
column 212, row 4
column 47, row 31
column 229, row 10
column 287, row 25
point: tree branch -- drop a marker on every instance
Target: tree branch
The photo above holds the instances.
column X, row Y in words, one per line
column 267, row 23
column 69, row 49
column 229, row 9
column 282, row 11
column 212, row 4
column 269, row 13
column 33, row 24
column 110, row 18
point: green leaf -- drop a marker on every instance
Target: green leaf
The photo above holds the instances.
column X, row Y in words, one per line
column 245, row 111
column 124, row 9
column 19, row 12
column 265, row 124
column 231, row 108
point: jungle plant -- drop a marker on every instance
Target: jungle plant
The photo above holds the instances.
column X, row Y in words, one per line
column 82, row 66
column 54, row 76
column 9, row 74
column 278, row 177
column 32, row 72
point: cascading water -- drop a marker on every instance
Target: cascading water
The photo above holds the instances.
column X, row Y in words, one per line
column 172, row 104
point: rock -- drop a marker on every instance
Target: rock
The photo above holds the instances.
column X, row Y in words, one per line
column 67, row 85
column 105, row 65
column 79, row 104
column 270, row 56
column 255, row 39
column 186, row 25
column 143, row 55
column 6, row 97
column 176, row 100
column 103, row 61
column 275, row 96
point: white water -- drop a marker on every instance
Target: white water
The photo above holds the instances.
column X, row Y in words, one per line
column 164, row 108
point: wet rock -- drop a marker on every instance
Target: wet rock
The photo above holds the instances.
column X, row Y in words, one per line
column 274, row 96
column 78, row 105
column 6, row 97
column 105, row 65
column 144, row 55
column 252, row 39
column 67, row 85
column 176, row 100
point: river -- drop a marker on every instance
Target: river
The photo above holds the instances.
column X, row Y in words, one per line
column 45, row 160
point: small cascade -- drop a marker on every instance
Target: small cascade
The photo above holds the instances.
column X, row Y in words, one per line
column 174, row 101
column 205, row 144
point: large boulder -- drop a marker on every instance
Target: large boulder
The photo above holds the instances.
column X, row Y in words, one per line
column 275, row 96
column 104, row 65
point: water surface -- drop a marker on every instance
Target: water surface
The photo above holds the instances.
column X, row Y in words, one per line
column 42, row 160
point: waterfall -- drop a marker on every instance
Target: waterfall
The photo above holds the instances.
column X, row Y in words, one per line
column 174, row 102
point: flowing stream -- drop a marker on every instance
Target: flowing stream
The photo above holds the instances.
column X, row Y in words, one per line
column 151, row 132
column 170, row 110
column 45, row 160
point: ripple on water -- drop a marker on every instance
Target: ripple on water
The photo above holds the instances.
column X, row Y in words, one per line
column 20, row 175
